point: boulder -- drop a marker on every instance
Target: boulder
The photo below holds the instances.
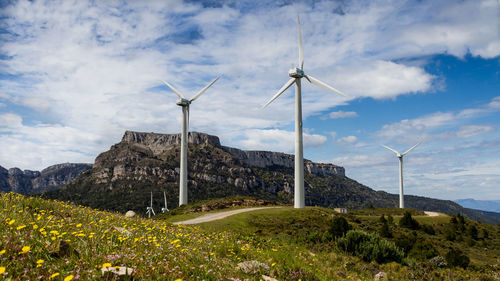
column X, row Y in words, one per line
column 116, row 272
column 130, row 214
column 380, row 276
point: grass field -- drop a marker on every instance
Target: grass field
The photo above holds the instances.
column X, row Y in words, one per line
column 49, row 240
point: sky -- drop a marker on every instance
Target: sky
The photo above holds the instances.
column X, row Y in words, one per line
column 74, row 75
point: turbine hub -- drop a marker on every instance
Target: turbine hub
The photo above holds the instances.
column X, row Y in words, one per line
column 296, row 72
column 183, row 102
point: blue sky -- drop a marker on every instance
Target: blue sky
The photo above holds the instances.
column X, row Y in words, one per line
column 74, row 75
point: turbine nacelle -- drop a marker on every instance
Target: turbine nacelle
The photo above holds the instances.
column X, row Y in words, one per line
column 296, row 72
column 183, row 102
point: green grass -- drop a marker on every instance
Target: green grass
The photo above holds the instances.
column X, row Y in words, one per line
column 289, row 241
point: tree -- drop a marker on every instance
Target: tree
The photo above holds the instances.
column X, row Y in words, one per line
column 408, row 222
column 455, row 257
column 339, row 227
column 385, row 231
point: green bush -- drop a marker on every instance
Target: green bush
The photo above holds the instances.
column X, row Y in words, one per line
column 369, row 247
column 423, row 250
column 339, row 227
column 408, row 222
column 385, row 231
column 405, row 242
column 456, row 257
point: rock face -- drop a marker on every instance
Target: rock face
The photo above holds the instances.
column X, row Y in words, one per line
column 32, row 182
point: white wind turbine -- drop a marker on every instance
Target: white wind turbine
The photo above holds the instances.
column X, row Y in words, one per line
column 150, row 208
column 296, row 74
column 163, row 210
column 400, row 157
column 184, row 103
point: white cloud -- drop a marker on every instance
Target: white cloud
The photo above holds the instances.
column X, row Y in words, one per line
column 283, row 140
column 342, row 114
column 10, row 121
column 348, row 139
column 92, row 69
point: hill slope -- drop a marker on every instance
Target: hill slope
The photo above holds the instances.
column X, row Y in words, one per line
column 51, row 240
column 123, row 177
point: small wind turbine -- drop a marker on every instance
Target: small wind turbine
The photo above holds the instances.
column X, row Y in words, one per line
column 150, row 208
column 400, row 157
column 163, row 210
column 184, row 103
column 296, row 74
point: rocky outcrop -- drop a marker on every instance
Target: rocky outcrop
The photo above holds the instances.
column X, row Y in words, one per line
column 161, row 143
column 265, row 159
column 32, row 182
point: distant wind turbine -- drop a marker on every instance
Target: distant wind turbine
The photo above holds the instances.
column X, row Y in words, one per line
column 296, row 74
column 184, row 103
column 400, row 157
column 163, row 210
column 150, row 208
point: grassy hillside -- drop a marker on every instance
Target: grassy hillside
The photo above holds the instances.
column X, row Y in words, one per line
column 42, row 238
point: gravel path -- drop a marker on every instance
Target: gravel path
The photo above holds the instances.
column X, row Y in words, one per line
column 432, row 214
column 220, row 215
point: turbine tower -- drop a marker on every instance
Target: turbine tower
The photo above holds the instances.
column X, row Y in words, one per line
column 184, row 103
column 150, row 208
column 163, row 210
column 296, row 74
column 400, row 157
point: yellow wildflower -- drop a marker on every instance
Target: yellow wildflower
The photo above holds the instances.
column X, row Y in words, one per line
column 21, row 227
column 79, row 225
column 178, row 279
column 2, row 252
column 273, row 264
column 2, row 269
column 11, row 222
column 25, row 249
column 69, row 277
column 105, row 265
column 274, row 250
column 35, row 226
column 39, row 263
column 53, row 275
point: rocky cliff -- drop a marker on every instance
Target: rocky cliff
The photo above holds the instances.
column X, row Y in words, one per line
column 32, row 182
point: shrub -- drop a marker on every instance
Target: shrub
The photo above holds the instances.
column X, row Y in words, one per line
column 339, row 227
column 422, row 250
column 428, row 229
column 385, row 231
column 405, row 242
column 382, row 219
column 455, row 257
column 472, row 231
column 408, row 222
column 369, row 247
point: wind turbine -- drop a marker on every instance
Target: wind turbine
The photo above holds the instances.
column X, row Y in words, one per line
column 296, row 74
column 163, row 210
column 150, row 208
column 184, row 103
column 400, row 157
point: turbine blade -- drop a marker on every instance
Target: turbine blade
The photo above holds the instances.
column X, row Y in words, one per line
column 413, row 147
column 301, row 49
column 204, row 89
column 397, row 153
column 165, row 197
column 286, row 86
column 324, row 85
column 174, row 89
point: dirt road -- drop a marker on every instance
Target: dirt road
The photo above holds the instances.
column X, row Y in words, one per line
column 220, row 215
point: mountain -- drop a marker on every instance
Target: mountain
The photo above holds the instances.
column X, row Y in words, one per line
column 484, row 205
column 33, row 182
column 123, row 177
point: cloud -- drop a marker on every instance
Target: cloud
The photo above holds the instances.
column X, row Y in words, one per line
column 342, row 114
column 432, row 125
column 10, row 121
column 283, row 140
column 348, row 139
column 94, row 68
